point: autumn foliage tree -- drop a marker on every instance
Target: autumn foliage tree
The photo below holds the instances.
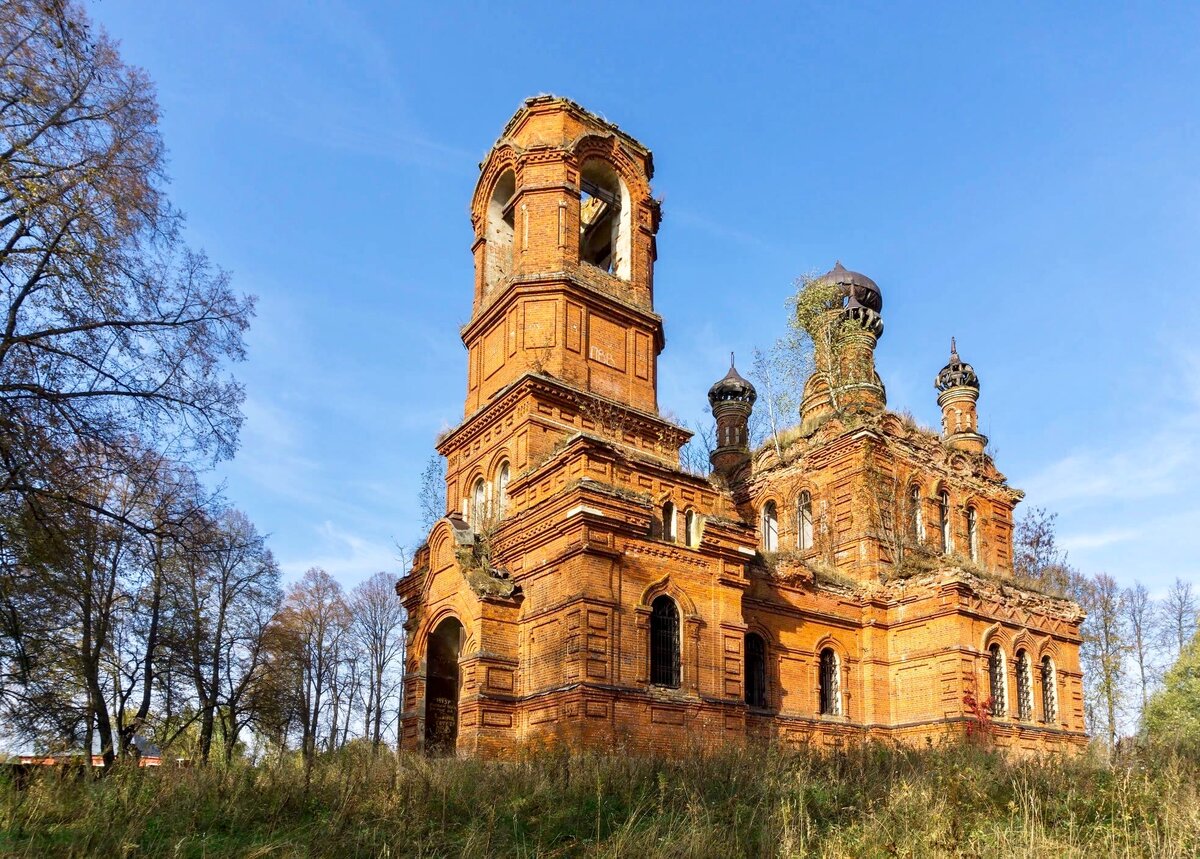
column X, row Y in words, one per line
column 113, row 330
column 115, row 343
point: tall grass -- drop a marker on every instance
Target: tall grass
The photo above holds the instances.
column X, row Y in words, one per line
column 869, row 801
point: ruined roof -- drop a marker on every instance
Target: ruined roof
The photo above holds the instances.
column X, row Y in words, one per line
column 859, row 288
column 546, row 100
column 957, row 373
column 732, row 387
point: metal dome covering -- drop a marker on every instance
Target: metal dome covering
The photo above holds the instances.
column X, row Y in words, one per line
column 957, row 373
column 860, row 290
column 732, row 388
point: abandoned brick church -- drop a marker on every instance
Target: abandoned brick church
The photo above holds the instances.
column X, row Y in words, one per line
column 850, row 582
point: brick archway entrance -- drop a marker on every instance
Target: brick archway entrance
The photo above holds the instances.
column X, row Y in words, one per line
column 441, row 687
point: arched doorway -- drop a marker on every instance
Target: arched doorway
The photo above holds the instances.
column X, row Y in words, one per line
column 441, row 687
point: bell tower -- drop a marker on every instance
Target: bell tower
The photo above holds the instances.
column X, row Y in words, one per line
column 564, row 249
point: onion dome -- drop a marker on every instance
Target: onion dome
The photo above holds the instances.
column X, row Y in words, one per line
column 732, row 388
column 862, row 299
column 957, row 373
column 860, row 290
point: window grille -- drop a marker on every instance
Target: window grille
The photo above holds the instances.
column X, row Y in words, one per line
column 804, row 523
column 664, row 642
column 996, row 680
column 756, row 671
column 1024, row 687
column 831, row 691
column 1049, row 691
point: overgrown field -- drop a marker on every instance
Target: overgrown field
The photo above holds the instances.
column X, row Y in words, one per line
column 872, row 801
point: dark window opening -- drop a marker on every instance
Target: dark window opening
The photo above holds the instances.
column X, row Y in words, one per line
column 756, row 670
column 664, row 642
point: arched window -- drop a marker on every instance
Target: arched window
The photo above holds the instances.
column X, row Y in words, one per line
column 691, row 529
column 664, row 642
column 944, row 521
column 1049, row 691
column 973, row 533
column 478, row 504
column 917, row 518
column 502, row 490
column 668, row 518
column 500, row 231
column 770, row 527
column 804, row 521
column 830, row 683
column 605, row 218
column 997, row 686
column 756, row 670
column 1024, row 687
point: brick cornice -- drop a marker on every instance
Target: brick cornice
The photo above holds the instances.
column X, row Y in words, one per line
column 570, row 282
column 562, row 392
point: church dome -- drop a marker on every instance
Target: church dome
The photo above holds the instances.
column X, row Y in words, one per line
column 732, row 388
column 957, row 373
column 859, row 289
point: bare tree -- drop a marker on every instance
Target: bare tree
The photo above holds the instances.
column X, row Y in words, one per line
column 432, row 494
column 310, row 627
column 1036, row 556
column 113, row 329
column 1179, row 611
column 229, row 590
column 696, row 456
column 377, row 623
column 1139, row 618
column 780, row 372
column 1103, row 654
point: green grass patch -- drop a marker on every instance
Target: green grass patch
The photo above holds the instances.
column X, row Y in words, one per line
column 868, row 801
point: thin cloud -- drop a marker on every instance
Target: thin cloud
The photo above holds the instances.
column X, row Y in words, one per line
column 345, row 555
column 1097, row 539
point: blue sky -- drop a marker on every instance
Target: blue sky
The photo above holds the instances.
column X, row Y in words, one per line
column 1023, row 176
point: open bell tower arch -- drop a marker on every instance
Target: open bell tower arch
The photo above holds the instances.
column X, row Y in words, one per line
column 564, row 225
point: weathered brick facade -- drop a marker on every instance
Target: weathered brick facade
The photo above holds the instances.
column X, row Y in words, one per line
column 848, row 582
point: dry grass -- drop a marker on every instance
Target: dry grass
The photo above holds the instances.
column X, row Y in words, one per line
column 870, row 801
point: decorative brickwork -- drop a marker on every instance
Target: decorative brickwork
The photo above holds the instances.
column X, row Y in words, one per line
column 584, row 589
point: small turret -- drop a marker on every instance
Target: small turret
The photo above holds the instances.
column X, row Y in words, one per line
column 958, row 392
column 732, row 400
column 845, row 379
